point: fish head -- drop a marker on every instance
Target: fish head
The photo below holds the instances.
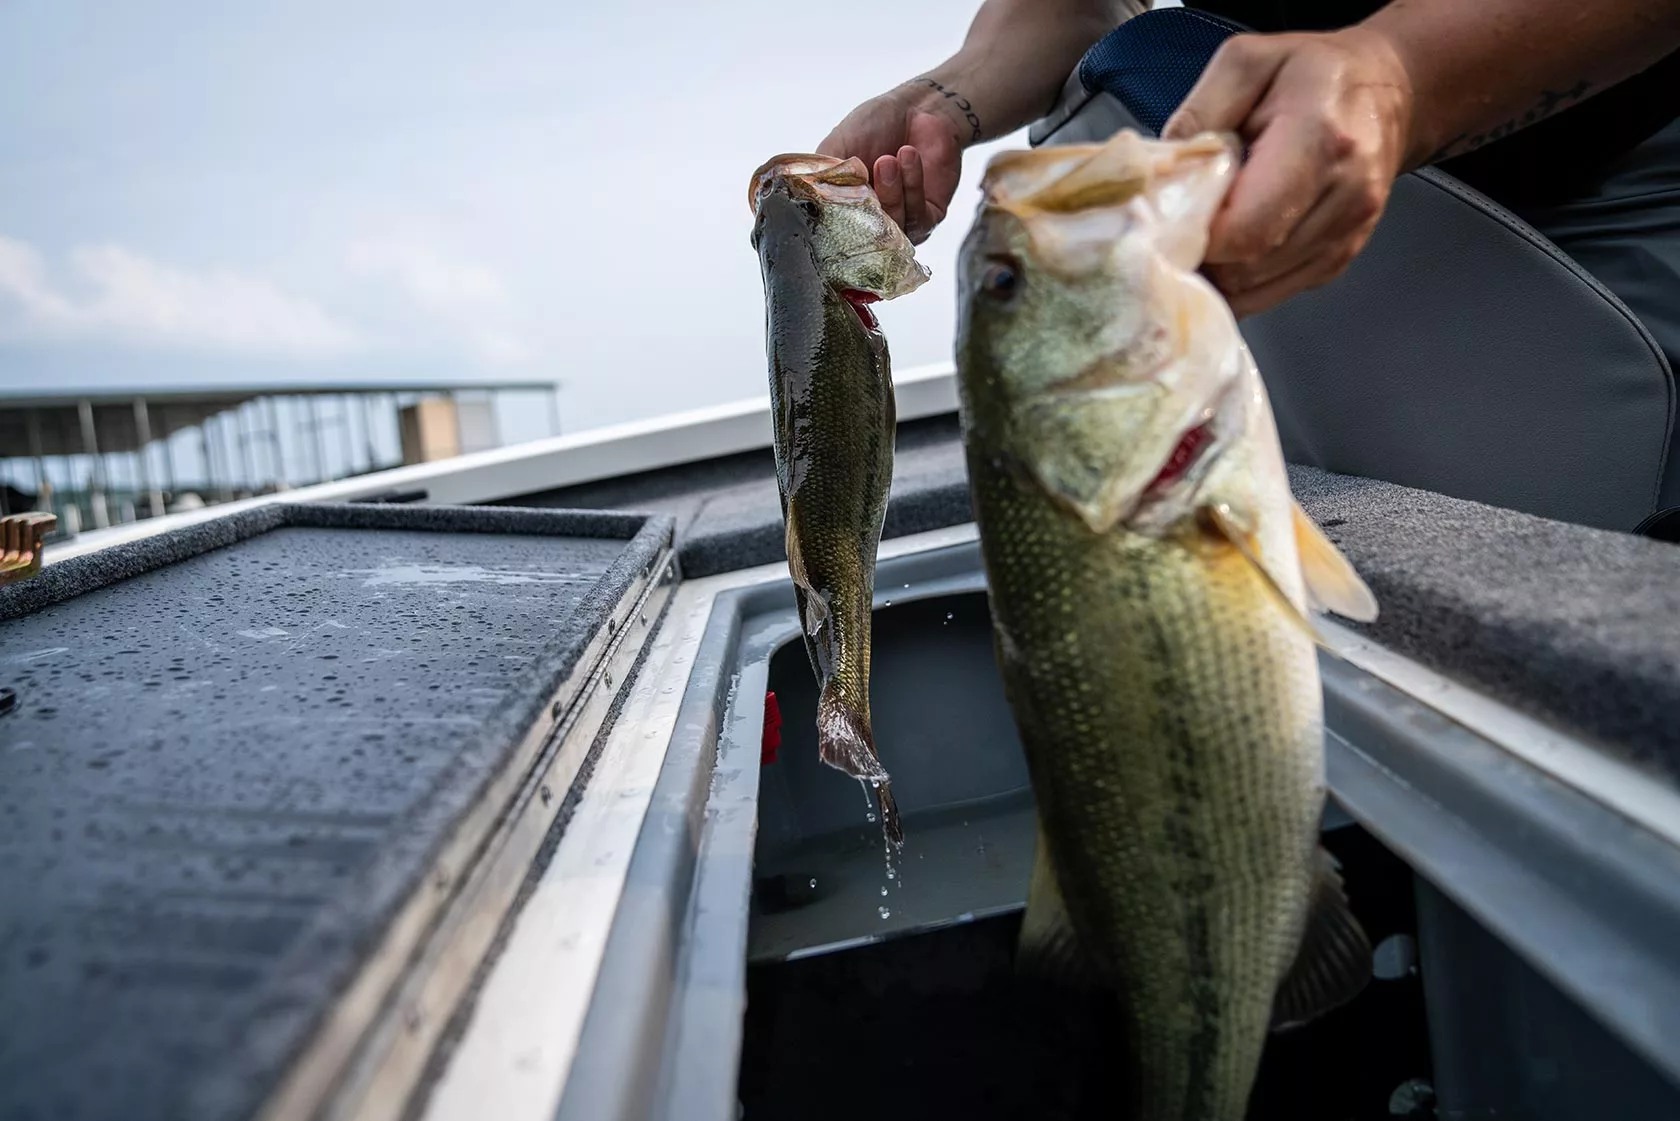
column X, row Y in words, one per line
column 1089, row 350
column 859, row 250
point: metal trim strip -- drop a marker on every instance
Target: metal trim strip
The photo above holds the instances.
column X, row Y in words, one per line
column 1586, row 767
column 395, row 1051
column 1588, row 897
column 674, row 967
column 523, row 1032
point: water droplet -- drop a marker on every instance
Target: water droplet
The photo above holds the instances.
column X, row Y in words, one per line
column 871, row 815
column 907, row 586
column 888, row 603
column 883, row 890
column 949, row 615
column 885, row 914
column 813, row 881
column 890, row 873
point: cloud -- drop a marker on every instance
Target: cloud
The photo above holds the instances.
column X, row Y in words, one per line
column 467, row 299
column 113, row 295
column 498, row 346
column 120, row 296
column 428, row 278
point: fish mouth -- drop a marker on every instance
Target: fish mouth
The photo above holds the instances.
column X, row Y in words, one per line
column 1173, row 489
column 822, row 178
column 859, row 300
column 1192, row 449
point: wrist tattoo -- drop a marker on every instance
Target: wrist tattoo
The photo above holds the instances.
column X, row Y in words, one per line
column 964, row 106
column 1548, row 103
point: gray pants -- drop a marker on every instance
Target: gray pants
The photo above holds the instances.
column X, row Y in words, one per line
column 1627, row 234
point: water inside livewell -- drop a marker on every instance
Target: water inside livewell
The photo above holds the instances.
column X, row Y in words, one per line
column 824, row 873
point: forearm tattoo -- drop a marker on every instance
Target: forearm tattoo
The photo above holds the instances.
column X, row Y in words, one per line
column 964, row 106
column 1549, row 102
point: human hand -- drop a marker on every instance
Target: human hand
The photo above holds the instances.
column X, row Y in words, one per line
column 910, row 144
column 1327, row 119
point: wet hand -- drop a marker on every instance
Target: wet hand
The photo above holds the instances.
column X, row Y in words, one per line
column 1327, row 121
column 911, row 149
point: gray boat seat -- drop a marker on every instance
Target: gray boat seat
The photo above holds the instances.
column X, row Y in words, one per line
column 1461, row 353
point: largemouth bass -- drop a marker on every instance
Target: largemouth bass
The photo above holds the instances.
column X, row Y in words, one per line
column 1150, row 582
column 827, row 251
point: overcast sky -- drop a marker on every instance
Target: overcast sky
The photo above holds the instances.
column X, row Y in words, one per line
column 204, row 191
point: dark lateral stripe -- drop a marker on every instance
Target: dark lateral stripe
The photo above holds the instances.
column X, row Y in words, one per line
column 1195, row 879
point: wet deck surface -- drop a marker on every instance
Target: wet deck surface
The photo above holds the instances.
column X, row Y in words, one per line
column 224, row 773
column 1570, row 624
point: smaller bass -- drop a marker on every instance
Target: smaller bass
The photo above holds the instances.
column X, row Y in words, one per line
column 827, row 251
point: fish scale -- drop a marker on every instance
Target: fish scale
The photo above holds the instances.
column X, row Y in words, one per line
column 1164, row 810
column 1149, row 578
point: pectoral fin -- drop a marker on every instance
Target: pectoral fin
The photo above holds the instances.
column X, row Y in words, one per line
column 815, row 619
column 796, row 561
column 813, row 605
column 1225, row 522
column 1334, row 962
column 1332, row 584
column 1049, row 950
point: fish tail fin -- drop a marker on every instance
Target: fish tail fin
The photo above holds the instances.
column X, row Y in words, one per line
column 890, row 821
column 845, row 743
column 844, row 740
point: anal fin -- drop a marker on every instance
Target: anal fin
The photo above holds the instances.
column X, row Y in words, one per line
column 1049, row 950
column 1333, row 964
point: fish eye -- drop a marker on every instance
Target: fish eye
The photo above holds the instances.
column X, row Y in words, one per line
column 1001, row 279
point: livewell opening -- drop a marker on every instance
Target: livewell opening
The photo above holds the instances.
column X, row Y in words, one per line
column 919, row 1014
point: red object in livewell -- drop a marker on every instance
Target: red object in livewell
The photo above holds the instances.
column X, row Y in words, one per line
column 772, row 729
